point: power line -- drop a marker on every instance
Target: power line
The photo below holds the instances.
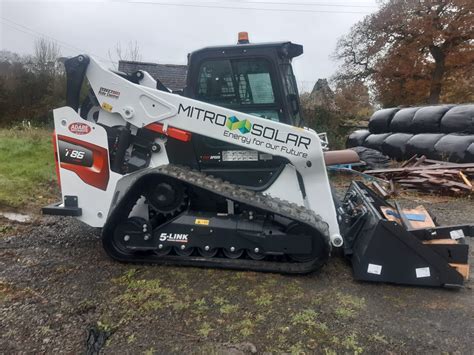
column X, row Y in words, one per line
column 37, row 34
column 242, row 8
column 29, row 32
column 302, row 4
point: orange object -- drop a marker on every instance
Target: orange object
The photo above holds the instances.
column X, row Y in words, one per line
column 175, row 133
column 440, row 241
column 465, row 179
column 243, row 38
column 463, row 269
column 56, row 162
column 97, row 174
column 345, row 156
column 427, row 223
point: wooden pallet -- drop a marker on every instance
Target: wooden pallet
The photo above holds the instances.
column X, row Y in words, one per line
column 431, row 176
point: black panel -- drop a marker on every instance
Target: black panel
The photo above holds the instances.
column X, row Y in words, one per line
column 75, row 71
column 75, row 154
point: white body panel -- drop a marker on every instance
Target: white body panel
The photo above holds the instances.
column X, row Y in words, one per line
column 95, row 202
column 141, row 105
column 286, row 186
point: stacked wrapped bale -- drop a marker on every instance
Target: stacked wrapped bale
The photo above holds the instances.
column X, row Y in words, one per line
column 439, row 132
column 395, row 145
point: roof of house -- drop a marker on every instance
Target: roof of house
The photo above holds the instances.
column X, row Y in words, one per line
column 173, row 76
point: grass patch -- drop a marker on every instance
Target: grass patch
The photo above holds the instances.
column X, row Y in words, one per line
column 261, row 309
column 348, row 305
column 351, row 344
column 205, row 329
column 308, row 319
column 26, row 167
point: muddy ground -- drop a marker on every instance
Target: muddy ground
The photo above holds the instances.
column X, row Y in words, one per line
column 56, row 284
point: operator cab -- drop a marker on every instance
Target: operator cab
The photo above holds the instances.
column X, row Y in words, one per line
column 252, row 78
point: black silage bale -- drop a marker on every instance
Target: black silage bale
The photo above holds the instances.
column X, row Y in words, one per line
column 357, row 138
column 423, row 144
column 380, row 120
column 427, row 119
column 458, row 119
column 469, row 157
column 453, row 147
column 375, row 141
column 395, row 145
column 403, row 120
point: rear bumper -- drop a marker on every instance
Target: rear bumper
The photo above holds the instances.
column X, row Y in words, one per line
column 68, row 208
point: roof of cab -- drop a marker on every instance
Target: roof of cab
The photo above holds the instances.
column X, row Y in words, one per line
column 288, row 48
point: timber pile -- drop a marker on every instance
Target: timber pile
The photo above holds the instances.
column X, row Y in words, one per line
column 431, row 176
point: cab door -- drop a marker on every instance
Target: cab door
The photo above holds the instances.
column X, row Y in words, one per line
column 248, row 85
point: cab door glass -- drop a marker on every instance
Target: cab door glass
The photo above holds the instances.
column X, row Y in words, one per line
column 254, row 81
column 245, row 85
column 234, row 83
column 215, row 83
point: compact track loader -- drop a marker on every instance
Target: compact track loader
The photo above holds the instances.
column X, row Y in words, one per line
column 221, row 175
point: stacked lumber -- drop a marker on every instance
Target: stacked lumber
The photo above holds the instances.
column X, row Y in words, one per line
column 430, row 176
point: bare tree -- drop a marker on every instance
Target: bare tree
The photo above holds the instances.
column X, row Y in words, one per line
column 46, row 54
column 130, row 52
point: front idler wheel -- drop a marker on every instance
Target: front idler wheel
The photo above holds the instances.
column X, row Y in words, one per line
column 297, row 228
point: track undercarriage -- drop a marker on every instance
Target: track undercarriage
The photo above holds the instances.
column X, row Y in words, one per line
column 198, row 220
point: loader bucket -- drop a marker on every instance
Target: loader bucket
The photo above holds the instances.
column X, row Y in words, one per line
column 387, row 244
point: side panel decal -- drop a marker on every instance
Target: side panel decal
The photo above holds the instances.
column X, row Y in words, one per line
column 89, row 161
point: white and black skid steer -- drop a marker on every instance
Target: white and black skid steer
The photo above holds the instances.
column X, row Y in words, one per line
column 222, row 176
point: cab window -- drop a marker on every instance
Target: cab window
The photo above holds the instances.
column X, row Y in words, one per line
column 215, row 84
column 292, row 95
column 243, row 84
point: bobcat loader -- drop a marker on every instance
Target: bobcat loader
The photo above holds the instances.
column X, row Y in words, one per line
column 222, row 175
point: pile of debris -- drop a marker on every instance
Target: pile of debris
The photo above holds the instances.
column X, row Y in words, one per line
column 426, row 175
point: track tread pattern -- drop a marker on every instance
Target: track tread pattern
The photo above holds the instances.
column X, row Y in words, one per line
column 237, row 194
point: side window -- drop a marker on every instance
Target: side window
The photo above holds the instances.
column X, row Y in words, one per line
column 290, row 79
column 215, row 83
column 254, row 81
column 290, row 83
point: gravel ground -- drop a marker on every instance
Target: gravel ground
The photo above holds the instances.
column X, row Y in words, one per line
column 60, row 293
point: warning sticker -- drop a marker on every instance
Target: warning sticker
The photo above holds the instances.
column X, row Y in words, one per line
column 456, row 234
column 422, row 272
column 374, row 269
column 107, row 107
column 202, row 222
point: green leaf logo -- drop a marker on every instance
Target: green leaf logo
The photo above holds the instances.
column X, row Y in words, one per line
column 243, row 126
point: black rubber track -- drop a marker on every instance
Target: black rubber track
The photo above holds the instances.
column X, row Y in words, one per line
column 131, row 190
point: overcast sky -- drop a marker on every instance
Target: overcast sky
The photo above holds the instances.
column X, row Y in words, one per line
column 167, row 30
